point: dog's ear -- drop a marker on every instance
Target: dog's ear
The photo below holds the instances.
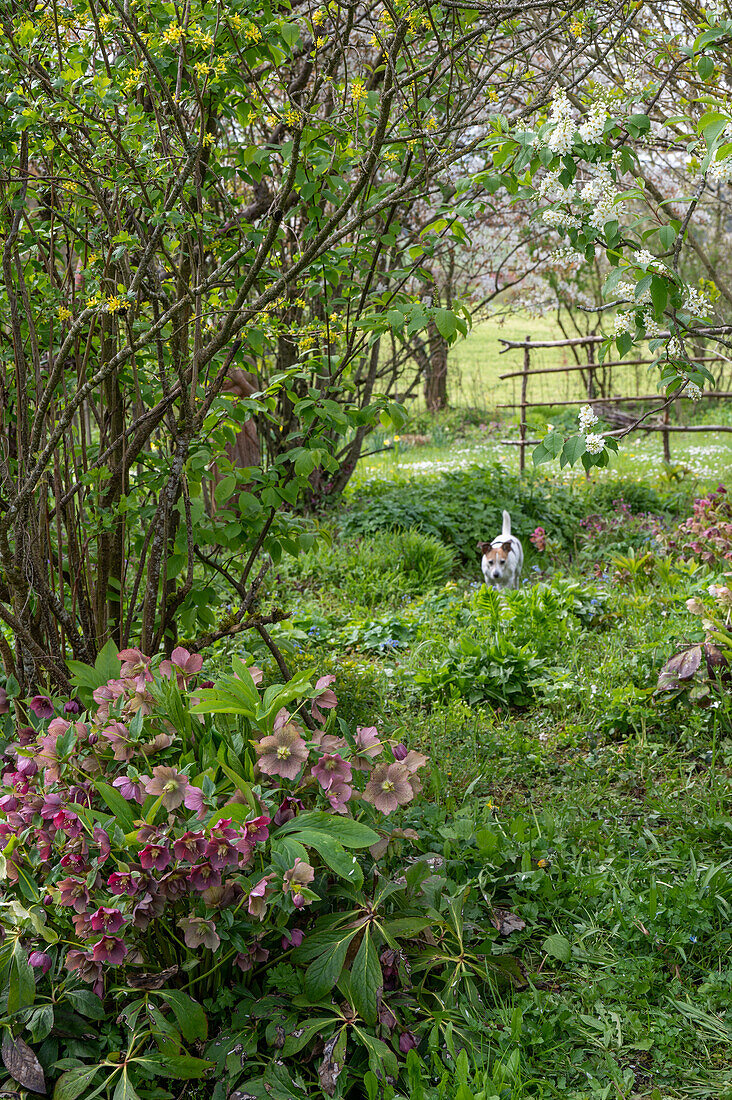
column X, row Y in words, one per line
column 483, row 547
column 507, row 544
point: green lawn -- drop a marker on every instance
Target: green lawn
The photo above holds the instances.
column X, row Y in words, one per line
column 594, row 811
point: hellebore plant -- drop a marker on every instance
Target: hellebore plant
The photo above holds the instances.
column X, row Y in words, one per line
column 181, row 831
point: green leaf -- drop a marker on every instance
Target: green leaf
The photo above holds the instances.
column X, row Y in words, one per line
column 225, row 489
column 366, row 979
column 446, row 323
column 21, row 983
column 183, row 1067
column 667, row 235
column 705, row 67
column 189, row 1015
column 71, row 1084
column 659, row 294
column 86, row 1004
column 558, row 946
column 108, row 663
column 334, row 854
column 117, row 804
column 714, row 127
column 624, row 343
column 323, row 973
column 349, row 833
column 124, row 1089
column 573, row 449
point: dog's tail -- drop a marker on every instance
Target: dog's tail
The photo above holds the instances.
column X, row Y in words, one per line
column 506, row 532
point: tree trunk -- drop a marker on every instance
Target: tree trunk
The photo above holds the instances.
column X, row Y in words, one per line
column 435, row 381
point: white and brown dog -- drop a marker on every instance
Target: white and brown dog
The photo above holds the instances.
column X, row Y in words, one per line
column 502, row 558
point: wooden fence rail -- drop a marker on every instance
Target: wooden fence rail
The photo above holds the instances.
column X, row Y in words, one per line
column 590, row 370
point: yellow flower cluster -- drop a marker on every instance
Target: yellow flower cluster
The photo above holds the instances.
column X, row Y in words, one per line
column 358, row 92
column 114, row 303
column 172, row 35
column 575, row 28
column 207, row 139
column 416, row 20
column 493, row 95
column 203, row 69
column 252, row 33
column 63, row 313
column 319, row 43
column 134, row 78
column 203, row 39
column 292, row 116
column 104, row 22
column 319, row 18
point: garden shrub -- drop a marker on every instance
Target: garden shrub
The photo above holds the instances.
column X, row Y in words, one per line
column 706, row 535
column 183, row 849
column 464, row 507
column 371, row 570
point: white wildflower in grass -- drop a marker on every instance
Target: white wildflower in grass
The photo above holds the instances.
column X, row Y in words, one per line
column 587, row 418
column 557, row 219
column 593, row 125
column 561, row 139
column 594, row 444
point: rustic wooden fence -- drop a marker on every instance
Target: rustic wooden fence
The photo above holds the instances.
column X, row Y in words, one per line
column 597, row 382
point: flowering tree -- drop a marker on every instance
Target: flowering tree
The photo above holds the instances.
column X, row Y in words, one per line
column 628, row 166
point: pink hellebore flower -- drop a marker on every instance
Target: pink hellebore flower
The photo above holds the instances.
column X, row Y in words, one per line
column 167, row 783
column 89, row 971
column 257, row 905
column 193, row 800
column 301, row 874
column 110, row 949
column 199, row 932
column 338, row 795
column 183, row 664
column 327, row 699
column 154, row 856
column 282, row 753
column 41, row 706
column 107, row 920
column 331, row 768
column 189, row 846
column 118, row 736
column 73, row 892
column 368, row 747
column 288, row 808
column 40, row 960
column 203, row 877
column 129, row 789
column 258, row 829
column 292, row 938
column 245, row 960
column 389, row 787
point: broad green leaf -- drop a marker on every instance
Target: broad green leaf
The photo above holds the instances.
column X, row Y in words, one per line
column 117, row 804
column 183, row 1067
column 333, row 853
column 72, row 1084
column 558, row 946
column 323, row 972
column 349, row 833
column 124, row 1089
column 573, row 449
column 21, row 983
column 366, row 979
column 190, row 1017
column 86, row 1003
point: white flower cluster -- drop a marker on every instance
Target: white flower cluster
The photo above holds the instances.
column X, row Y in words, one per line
column 625, row 290
column 558, row 219
column 696, row 302
column 594, row 443
column 593, row 125
column 692, row 391
column 647, row 259
column 566, row 256
column 673, row 347
column 720, row 171
column 715, row 8
column 587, row 418
column 635, row 86
column 651, row 325
column 561, row 139
column 599, row 193
column 623, row 323
column 552, row 190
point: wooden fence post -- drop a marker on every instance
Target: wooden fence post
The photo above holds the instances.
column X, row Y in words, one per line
column 666, row 436
column 522, row 425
